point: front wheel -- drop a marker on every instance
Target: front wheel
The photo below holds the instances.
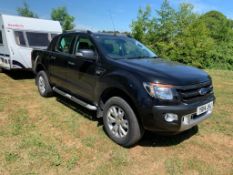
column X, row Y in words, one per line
column 121, row 123
column 43, row 85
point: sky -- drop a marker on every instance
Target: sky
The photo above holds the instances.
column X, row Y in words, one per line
column 99, row 15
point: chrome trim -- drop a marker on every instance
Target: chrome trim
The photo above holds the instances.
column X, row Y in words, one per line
column 194, row 86
column 74, row 99
column 189, row 123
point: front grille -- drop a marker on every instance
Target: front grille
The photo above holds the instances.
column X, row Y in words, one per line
column 192, row 93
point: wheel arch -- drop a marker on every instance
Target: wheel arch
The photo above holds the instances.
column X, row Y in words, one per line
column 115, row 91
column 39, row 68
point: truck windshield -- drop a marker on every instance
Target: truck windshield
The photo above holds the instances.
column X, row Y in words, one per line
column 120, row 47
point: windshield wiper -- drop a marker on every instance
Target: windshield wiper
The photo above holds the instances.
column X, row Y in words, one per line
column 140, row 57
column 154, row 57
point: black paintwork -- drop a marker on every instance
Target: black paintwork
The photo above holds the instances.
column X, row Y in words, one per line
column 89, row 79
column 168, row 72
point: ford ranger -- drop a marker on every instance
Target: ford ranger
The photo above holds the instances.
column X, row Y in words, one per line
column 127, row 84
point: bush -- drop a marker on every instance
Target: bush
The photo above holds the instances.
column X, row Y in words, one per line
column 205, row 41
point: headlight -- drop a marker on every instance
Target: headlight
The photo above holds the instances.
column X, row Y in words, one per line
column 160, row 91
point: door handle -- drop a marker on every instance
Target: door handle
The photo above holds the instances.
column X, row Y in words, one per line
column 99, row 71
column 71, row 63
column 53, row 57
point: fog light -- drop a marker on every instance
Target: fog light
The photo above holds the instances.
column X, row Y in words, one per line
column 169, row 117
column 187, row 119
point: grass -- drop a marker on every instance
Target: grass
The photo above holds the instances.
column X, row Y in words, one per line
column 55, row 136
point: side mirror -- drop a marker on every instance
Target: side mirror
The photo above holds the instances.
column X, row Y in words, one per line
column 86, row 53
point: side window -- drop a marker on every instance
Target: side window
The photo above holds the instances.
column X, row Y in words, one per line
column 84, row 43
column 64, row 45
column 1, row 41
column 112, row 47
column 19, row 38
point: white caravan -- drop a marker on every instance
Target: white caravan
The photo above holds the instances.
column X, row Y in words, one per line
column 19, row 35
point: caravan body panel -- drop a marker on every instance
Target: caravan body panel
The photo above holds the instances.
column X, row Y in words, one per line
column 4, row 49
column 20, row 36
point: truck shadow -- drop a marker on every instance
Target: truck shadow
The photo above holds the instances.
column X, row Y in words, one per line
column 91, row 115
column 158, row 140
column 19, row 74
column 149, row 139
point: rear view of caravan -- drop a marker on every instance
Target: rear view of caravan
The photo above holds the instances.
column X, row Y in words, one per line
column 19, row 35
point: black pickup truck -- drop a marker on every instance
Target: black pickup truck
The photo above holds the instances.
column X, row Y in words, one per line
column 127, row 85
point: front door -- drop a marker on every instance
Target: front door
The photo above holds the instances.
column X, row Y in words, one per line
column 82, row 71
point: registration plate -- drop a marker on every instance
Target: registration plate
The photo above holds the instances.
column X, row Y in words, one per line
column 204, row 108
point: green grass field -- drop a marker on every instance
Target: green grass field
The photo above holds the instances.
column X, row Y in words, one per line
column 55, row 136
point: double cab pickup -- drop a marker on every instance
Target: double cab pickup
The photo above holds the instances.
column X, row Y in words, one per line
column 128, row 85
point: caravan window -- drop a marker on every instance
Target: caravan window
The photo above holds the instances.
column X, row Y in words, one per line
column 20, row 40
column 1, row 42
column 37, row 39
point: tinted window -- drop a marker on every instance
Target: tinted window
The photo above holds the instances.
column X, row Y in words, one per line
column 37, row 39
column 64, row 45
column 84, row 43
column 1, row 42
column 20, row 40
column 118, row 47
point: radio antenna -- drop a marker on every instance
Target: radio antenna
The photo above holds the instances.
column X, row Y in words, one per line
column 113, row 24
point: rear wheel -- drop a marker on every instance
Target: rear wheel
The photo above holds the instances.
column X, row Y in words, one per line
column 43, row 85
column 121, row 123
column 1, row 70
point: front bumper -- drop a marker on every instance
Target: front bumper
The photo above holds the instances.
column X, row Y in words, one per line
column 187, row 117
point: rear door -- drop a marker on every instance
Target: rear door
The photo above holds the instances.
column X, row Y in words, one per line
column 58, row 59
column 81, row 72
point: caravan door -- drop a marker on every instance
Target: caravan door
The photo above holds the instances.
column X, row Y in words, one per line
column 21, row 53
column 23, row 42
column 4, row 51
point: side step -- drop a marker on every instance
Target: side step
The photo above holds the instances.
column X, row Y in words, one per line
column 74, row 99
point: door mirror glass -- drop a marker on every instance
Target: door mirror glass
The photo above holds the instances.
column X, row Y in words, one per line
column 86, row 53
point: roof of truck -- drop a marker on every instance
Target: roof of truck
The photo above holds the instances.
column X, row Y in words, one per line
column 96, row 33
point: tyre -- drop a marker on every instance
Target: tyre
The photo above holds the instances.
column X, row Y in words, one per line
column 1, row 70
column 121, row 123
column 43, row 85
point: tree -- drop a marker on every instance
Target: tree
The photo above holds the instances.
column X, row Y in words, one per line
column 60, row 14
column 205, row 41
column 184, row 17
column 194, row 45
column 140, row 26
column 222, row 32
column 166, row 21
column 25, row 11
column 218, row 24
